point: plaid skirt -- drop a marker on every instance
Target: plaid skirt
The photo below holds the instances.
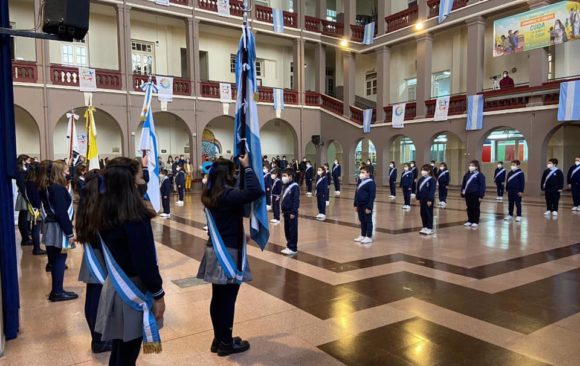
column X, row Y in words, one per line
column 211, row 271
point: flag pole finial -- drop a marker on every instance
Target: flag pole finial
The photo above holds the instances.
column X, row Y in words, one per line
column 246, row 10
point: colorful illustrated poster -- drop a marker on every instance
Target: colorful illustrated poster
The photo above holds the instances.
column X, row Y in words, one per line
column 549, row 25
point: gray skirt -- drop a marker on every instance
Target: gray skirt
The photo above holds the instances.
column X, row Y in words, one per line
column 85, row 272
column 52, row 235
column 211, row 271
column 21, row 204
column 115, row 319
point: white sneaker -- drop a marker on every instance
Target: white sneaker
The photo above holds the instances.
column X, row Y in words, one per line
column 474, row 226
column 391, row 197
column 321, row 217
column 501, row 199
column 308, row 194
column 508, row 218
column 428, row 232
column 574, row 208
column 554, row 213
column 337, row 193
column 407, row 207
column 367, row 241
column 442, row 204
column 423, row 230
column 268, row 208
column 163, row 215
column 274, row 221
column 547, row 213
column 359, row 239
column 288, row 251
column 205, row 228
column 327, row 203
column 413, row 195
column 467, row 224
column 519, row 219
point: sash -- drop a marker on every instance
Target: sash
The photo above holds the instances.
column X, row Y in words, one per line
column 65, row 242
column 320, row 180
column 287, row 190
column 552, row 172
column 499, row 173
column 335, row 167
column 514, row 175
column 407, row 173
column 307, row 169
column 413, row 169
column 391, row 172
column 575, row 171
column 224, row 258
column 363, row 183
column 273, row 185
column 424, row 182
column 136, row 299
column 473, row 176
column 90, row 258
column 442, row 174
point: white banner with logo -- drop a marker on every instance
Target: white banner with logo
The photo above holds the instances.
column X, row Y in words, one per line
column 164, row 88
column 399, row 115
column 441, row 109
column 87, row 79
column 226, row 93
column 223, row 8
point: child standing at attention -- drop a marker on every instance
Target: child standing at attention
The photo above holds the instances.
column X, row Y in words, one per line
column 392, row 180
column 574, row 183
column 267, row 186
column 426, row 196
column 552, row 186
column 364, row 201
column 309, row 176
column 406, row 185
column 290, row 204
column 321, row 193
column 276, row 193
column 499, row 179
column 516, row 183
column 415, row 175
column 180, row 183
column 443, row 182
column 473, row 190
column 328, row 179
column 165, row 187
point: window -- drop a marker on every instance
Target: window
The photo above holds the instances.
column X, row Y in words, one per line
column 439, row 148
column 67, row 54
column 411, row 85
column 331, row 15
column 441, row 84
column 407, row 149
column 291, row 6
column 233, row 64
column 371, row 83
column 291, row 75
column 260, row 68
column 504, row 145
column 142, row 57
column 551, row 63
column 74, row 54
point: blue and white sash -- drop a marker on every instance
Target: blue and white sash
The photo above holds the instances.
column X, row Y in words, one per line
column 287, row 190
column 320, row 180
column 442, row 173
column 424, row 182
column 407, row 173
column 334, row 168
column 550, row 175
column 226, row 261
column 364, row 182
column 499, row 173
column 514, row 175
column 473, row 176
column 136, row 299
column 391, row 172
column 575, row 171
column 274, row 185
column 90, row 258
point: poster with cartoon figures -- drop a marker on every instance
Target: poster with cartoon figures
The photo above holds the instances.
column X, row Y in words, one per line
column 546, row 26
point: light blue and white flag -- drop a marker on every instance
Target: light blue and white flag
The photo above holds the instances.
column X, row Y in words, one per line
column 445, row 8
column 569, row 107
column 278, row 99
column 278, row 20
column 474, row 112
column 369, row 34
column 367, row 120
column 148, row 145
column 247, row 131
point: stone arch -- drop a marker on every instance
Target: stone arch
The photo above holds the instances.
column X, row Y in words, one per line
column 448, row 147
column 363, row 149
column 217, row 137
column 401, row 149
column 310, row 152
column 502, row 143
column 334, row 151
column 278, row 137
column 27, row 133
column 563, row 143
column 173, row 136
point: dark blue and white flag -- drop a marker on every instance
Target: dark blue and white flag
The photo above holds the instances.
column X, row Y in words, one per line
column 445, row 8
column 569, row 107
column 369, row 34
column 148, row 145
column 367, row 120
column 474, row 112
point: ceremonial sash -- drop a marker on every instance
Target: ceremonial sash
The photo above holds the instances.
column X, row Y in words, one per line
column 407, row 173
column 335, row 167
column 224, row 258
column 273, row 185
column 499, row 173
column 473, row 176
column 97, row 271
column 288, row 190
column 424, row 182
column 307, row 169
column 575, row 171
column 391, row 172
column 442, row 174
column 136, row 299
column 514, row 175
column 65, row 242
column 363, row 183
column 552, row 172
column 320, row 180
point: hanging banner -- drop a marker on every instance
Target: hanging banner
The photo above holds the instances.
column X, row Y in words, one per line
column 162, row 2
column 226, row 93
column 538, row 28
column 87, row 79
column 399, row 115
column 441, row 109
column 223, row 8
column 164, row 88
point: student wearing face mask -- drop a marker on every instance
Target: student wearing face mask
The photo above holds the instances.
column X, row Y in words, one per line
column 552, row 186
column 371, row 167
column 434, row 168
column 180, row 183
column 276, row 194
column 443, row 179
column 336, row 173
column 516, row 184
column 165, row 189
column 473, row 190
column 309, row 176
column 290, row 203
column 364, row 201
column 268, row 186
column 574, row 183
column 321, row 193
column 392, row 180
column 415, row 175
column 426, row 195
column 328, row 180
column 499, row 180
column 406, row 185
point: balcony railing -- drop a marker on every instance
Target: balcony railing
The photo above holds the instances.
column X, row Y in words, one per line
column 312, row 98
column 434, row 6
column 356, row 115
column 357, row 32
column 410, row 112
column 69, row 76
column 236, row 6
column 180, row 2
column 211, row 89
column 24, row 71
column 109, row 79
column 180, row 86
column 333, row 105
column 312, row 24
column 264, row 14
column 457, row 105
column 333, row 29
column 402, row 19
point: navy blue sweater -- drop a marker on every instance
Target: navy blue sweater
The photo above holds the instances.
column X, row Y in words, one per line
column 33, row 195
column 555, row 183
column 517, row 183
column 56, row 201
column 336, row 171
column 322, row 186
column 477, row 184
column 407, row 179
column 365, row 193
column 574, row 179
column 426, row 192
column 499, row 175
column 291, row 199
column 309, row 173
column 165, row 187
column 392, row 175
column 133, row 247
column 443, row 178
column 180, row 178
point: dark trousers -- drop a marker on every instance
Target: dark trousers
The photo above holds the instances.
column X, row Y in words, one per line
column 291, row 231
column 309, row 185
column 165, row 203
column 125, row 353
column 321, row 201
column 473, row 211
column 500, row 189
column 576, row 194
column 407, row 196
column 336, row 184
column 268, row 198
column 514, row 199
column 366, row 222
column 276, row 207
column 91, row 307
column 180, row 192
column 58, row 260
column 552, row 200
column 414, row 187
column 301, row 178
column 23, row 226
column 222, row 309
column 328, row 193
column 393, row 188
column 442, row 193
column 35, row 231
column 426, row 214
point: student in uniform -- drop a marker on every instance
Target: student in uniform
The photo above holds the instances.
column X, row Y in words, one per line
column 473, row 190
column 79, row 180
column 426, row 195
column 499, row 180
column 34, row 207
column 276, row 194
column 443, row 180
column 328, row 180
column 406, row 185
column 415, row 175
column 180, row 183
column 552, row 186
column 321, row 192
column 364, row 201
column 392, row 180
column 574, row 183
column 336, row 173
column 371, row 167
column 23, row 162
column 58, row 227
column 290, row 203
column 165, row 188
column 309, row 176
column 515, row 186
column 434, row 168
column 268, row 185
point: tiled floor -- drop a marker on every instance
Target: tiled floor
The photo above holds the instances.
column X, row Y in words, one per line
column 505, row 294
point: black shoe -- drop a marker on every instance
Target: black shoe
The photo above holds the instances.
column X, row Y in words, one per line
column 48, row 267
column 215, row 344
column 39, row 252
column 26, row 243
column 101, row 347
column 64, row 296
column 237, row 346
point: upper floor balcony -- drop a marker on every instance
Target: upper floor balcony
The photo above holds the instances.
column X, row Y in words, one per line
column 262, row 13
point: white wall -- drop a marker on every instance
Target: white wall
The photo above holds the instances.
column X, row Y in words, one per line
column 278, row 139
column 403, row 66
column 22, row 15
column 310, row 71
column 566, row 57
column 398, row 5
column 27, row 134
column 450, row 53
column 172, row 135
column 103, row 40
column 223, row 130
column 281, row 4
column 365, row 63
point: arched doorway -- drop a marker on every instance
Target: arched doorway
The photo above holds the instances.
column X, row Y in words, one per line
column 564, row 144
column 310, row 153
column 27, row 133
column 173, row 136
column 502, row 144
column 402, row 150
column 447, row 147
column 109, row 135
column 218, row 138
column 365, row 150
column 334, row 152
column 279, row 139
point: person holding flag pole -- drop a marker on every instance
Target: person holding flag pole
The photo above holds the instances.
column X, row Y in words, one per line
column 225, row 263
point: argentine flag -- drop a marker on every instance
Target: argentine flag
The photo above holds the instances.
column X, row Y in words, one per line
column 369, row 34
column 148, row 145
column 278, row 20
column 569, row 107
column 445, row 8
column 474, row 112
column 367, row 120
column 247, row 130
column 278, row 99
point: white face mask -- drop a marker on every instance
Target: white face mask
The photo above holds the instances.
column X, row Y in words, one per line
column 362, row 176
column 204, row 181
column 432, row 164
column 577, row 162
column 514, row 167
column 336, row 162
column 309, row 165
column 499, row 166
column 441, row 168
column 272, row 176
column 391, row 166
column 412, row 165
column 424, row 173
column 550, row 166
column 265, row 170
column 406, row 168
column 319, row 172
column 471, row 168
column 285, row 180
